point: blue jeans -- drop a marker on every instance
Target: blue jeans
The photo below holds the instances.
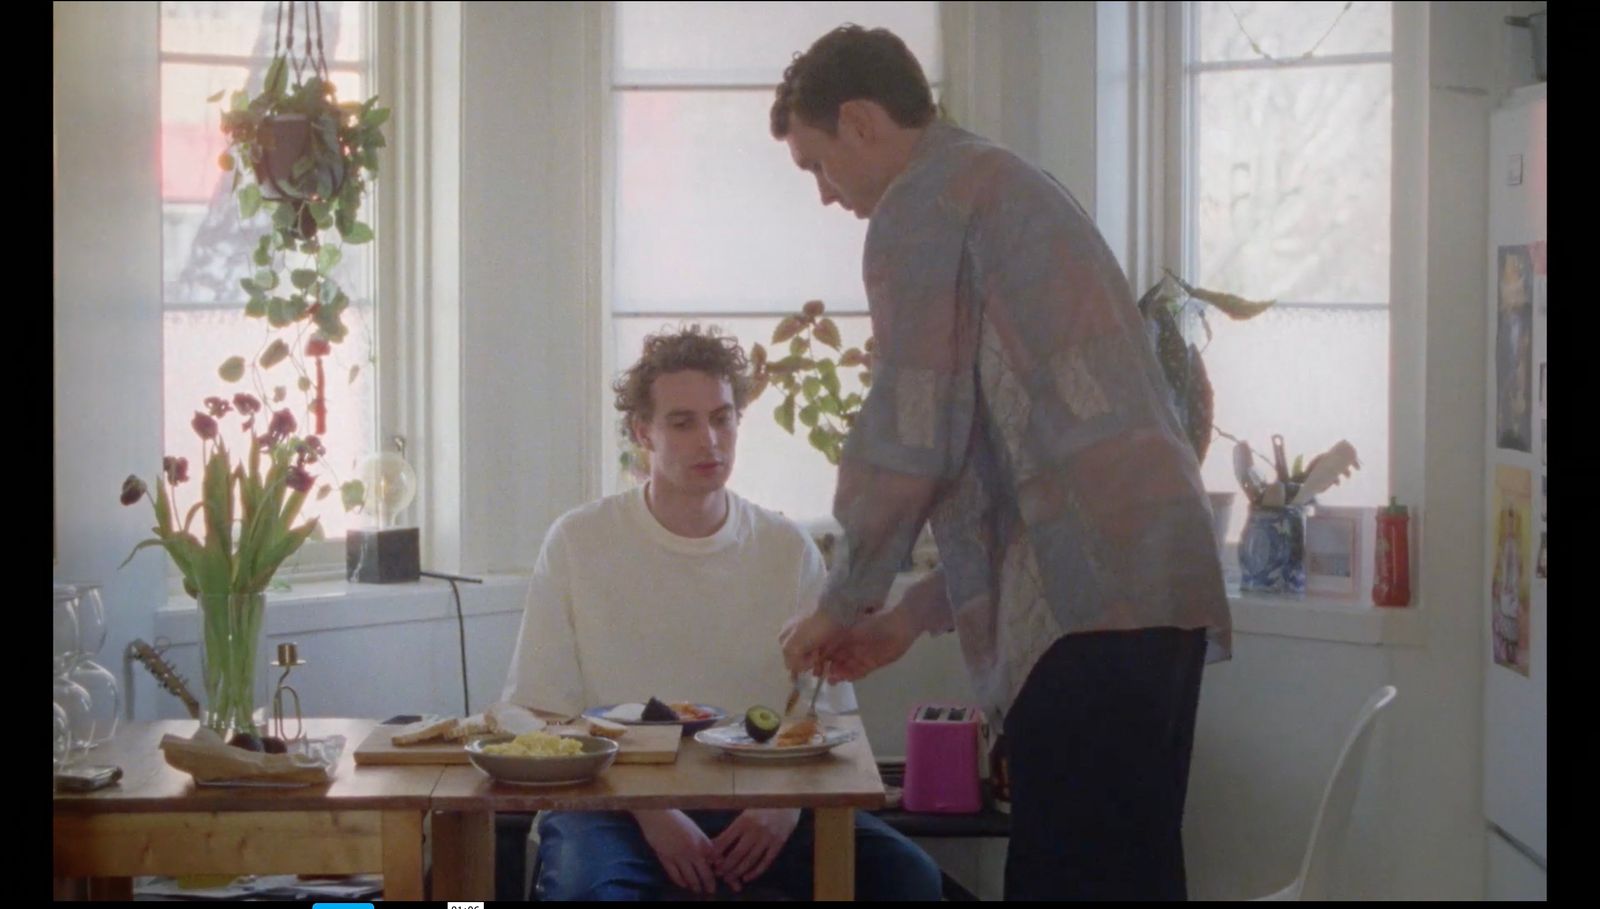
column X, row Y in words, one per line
column 602, row 855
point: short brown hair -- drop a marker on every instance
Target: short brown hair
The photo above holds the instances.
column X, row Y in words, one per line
column 690, row 347
column 848, row 63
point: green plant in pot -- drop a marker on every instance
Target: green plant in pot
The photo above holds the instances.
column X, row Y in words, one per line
column 308, row 159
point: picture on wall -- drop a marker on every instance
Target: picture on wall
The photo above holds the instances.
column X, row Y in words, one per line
column 1510, row 600
column 1514, row 351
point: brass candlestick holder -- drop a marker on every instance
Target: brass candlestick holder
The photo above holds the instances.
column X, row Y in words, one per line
column 288, row 658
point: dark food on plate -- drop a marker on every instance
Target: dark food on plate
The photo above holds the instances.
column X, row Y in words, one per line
column 657, row 712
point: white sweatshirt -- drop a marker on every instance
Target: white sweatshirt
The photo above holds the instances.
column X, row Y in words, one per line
column 622, row 610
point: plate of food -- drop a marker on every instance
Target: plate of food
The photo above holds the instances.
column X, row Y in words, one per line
column 692, row 717
column 764, row 735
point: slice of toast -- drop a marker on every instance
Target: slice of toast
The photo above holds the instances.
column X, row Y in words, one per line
column 473, row 725
column 606, row 728
column 512, row 720
column 427, row 729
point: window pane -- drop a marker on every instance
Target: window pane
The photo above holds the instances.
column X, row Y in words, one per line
column 247, row 29
column 206, row 247
column 772, row 468
column 1287, row 30
column 751, row 43
column 1292, row 172
column 195, row 344
column 1314, row 377
column 712, row 215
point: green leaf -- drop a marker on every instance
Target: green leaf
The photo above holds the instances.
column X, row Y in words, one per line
column 827, row 332
column 232, row 369
column 820, row 439
column 829, row 404
column 798, row 346
column 249, row 286
column 263, row 254
column 256, row 308
column 277, row 312
column 812, row 386
column 328, row 259
column 277, row 77
column 357, row 234
column 275, row 353
column 808, row 415
column 238, row 101
column 283, row 218
column 784, row 414
column 352, row 494
column 355, row 371
column 375, row 118
column 213, row 99
column 266, row 279
column 830, row 376
column 249, row 201
column 303, row 278
column 142, row 544
column 322, row 491
column 304, row 384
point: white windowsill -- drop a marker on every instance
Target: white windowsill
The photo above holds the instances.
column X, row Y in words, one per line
column 338, row 604
column 332, row 605
column 1327, row 619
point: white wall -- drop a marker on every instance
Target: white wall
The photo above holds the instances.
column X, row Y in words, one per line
column 107, row 306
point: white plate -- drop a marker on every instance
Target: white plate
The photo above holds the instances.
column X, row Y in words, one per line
column 734, row 741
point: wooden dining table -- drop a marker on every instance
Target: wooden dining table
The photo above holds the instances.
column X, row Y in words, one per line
column 833, row 785
column 156, row 821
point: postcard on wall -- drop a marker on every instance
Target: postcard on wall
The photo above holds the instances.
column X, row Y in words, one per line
column 1514, row 351
column 1510, row 602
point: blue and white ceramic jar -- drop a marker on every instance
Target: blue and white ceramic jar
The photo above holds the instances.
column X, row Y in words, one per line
column 1272, row 550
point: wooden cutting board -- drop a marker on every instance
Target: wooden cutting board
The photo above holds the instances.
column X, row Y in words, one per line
column 642, row 745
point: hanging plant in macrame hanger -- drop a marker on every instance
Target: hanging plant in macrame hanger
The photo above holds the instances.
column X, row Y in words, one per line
column 299, row 153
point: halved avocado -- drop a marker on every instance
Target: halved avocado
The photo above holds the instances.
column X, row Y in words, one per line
column 762, row 723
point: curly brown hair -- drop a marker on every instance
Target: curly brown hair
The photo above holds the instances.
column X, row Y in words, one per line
column 848, row 63
column 704, row 349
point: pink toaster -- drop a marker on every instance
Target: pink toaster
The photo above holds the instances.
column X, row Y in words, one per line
column 942, row 760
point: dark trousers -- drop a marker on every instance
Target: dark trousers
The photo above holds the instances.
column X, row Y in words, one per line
column 1099, row 741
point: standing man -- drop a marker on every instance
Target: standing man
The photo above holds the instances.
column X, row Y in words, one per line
column 1017, row 407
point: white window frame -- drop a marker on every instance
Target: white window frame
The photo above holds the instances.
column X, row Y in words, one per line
column 1140, row 160
column 1160, row 30
column 413, row 59
column 955, row 20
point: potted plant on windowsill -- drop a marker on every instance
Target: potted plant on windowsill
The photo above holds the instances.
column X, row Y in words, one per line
column 814, row 395
column 809, row 377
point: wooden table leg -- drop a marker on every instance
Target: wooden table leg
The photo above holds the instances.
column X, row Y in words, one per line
column 402, row 855
column 463, row 855
column 835, row 865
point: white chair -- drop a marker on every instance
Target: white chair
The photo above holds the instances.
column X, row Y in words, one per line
column 1333, row 815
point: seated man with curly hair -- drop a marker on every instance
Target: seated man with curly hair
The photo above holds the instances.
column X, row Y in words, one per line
column 676, row 589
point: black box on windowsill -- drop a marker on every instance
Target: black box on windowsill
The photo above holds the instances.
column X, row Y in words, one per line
column 390, row 556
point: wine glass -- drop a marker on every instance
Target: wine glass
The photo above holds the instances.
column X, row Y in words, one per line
column 65, row 633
